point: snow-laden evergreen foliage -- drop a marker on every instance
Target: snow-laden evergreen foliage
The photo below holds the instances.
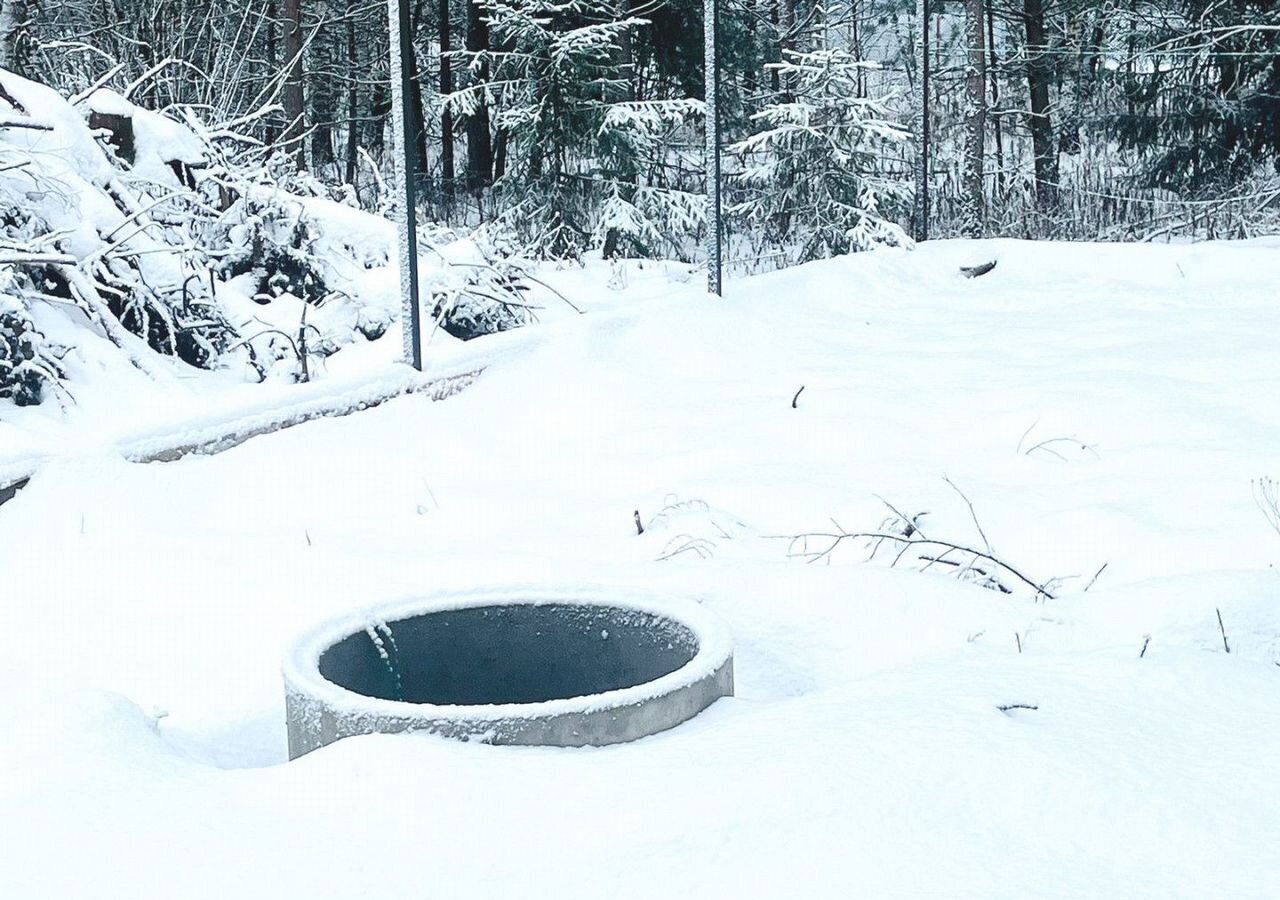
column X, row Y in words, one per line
column 813, row 174
column 1209, row 111
column 29, row 367
column 584, row 164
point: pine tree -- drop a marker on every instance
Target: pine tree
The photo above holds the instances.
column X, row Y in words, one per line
column 813, row 171
column 1211, row 102
column 584, row 163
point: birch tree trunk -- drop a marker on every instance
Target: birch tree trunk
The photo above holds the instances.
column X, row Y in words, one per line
column 714, row 250
column 922, row 122
column 975, row 118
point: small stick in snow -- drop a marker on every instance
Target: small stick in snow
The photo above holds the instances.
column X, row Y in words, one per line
column 1010, row 706
column 1225, row 645
column 1146, row 639
column 1095, row 576
column 28, row 124
column 639, row 525
column 1017, row 637
column 307, row 535
column 972, row 514
column 796, row 399
column 978, row 271
column 12, row 100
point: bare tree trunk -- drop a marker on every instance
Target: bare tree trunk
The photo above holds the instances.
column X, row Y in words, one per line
column 447, row 174
column 480, row 163
column 923, row 63
column 322, row 90
column 419, row 136
column 353, row 95
column 1038, row 75
column 273, row 64
column 786, row 29
column 1133, row 52
column 775, row 20
column 996, row 113
column 975, row 119
column 294, row 98
column 624, row 61
column 13, row 15
column 855, row 44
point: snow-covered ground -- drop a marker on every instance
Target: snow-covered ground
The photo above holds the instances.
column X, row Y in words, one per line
column 146, row 608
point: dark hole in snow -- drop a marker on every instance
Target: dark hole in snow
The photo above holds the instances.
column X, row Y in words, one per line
column 119, row 129
column 519, row 653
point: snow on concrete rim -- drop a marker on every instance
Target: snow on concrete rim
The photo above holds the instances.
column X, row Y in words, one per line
column 714, row 649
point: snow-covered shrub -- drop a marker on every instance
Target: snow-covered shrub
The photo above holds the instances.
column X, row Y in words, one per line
column 167, row 237
column 273, row 241
column 484, row 293
column 812, row 175
column 28, row 366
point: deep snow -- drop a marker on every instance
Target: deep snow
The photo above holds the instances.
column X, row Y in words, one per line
column 147, row 608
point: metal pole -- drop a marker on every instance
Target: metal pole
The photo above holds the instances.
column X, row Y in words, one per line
column 922, row 127
column 403, row 123
column 715, row 227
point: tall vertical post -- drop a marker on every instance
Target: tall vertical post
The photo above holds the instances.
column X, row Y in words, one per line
column 403, row 122
column 715, row 228
column 922, row 125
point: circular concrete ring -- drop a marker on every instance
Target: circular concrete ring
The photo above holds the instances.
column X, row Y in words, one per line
column 551, row 669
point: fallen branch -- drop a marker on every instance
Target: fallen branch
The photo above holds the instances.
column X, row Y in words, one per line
column 36, row 259
column 837, row 539
column 1095, row 577
column 28, row 124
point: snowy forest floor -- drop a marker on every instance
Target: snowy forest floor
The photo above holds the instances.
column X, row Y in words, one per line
column 147, row 607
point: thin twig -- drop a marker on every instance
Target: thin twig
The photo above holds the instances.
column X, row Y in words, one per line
column 972, row 513
column 1027, row 434
column 1095, row 577
column 837, row 539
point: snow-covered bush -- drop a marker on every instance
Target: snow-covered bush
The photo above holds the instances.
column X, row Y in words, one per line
column 812, row 175
column 28, row 366
column 161, row 237
column 486, row 290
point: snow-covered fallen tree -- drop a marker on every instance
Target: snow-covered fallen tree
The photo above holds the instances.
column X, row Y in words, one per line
column 169, row 243
column 124, row 225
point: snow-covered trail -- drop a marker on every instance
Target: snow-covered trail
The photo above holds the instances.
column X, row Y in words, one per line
column 147, row 607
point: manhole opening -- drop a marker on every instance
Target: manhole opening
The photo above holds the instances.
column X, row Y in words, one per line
column 504, row 654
